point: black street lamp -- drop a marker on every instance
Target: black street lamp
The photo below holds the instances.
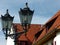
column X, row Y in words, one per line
column 6, row 23
column 25, row 17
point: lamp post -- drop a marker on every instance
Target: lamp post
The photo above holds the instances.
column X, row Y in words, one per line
column 25, row 17
column 6, row 23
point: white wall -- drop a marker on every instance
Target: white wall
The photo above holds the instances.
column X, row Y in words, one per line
column 10, row 41
column 57, row 38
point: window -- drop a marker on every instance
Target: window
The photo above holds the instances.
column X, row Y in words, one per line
column 38, row 34
column 54, row 43
column 48, row 25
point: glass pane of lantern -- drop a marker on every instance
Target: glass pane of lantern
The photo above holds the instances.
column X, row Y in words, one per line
column 21, row 18
column 29, row 18
column 9, row 24
column 4, row 24
column 25, row 19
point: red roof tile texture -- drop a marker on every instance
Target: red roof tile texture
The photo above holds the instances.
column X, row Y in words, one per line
column 34, row 28
column 56, row 24
column 51, row 24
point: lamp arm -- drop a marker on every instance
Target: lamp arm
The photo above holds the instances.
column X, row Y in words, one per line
column 15, row 33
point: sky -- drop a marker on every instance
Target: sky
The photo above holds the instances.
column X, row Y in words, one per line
column 43, row 11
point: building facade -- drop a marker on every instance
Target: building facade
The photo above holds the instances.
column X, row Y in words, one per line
column 51, row 32
column 28, row 38
column 47, row 34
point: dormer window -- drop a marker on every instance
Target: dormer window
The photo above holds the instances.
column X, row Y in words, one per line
column 48, row 25
column 38, row 34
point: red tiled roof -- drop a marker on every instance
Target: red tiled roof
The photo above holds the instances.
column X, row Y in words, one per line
column 32, row 31
column 58, row 27
column 34, row 28
column 54, row 25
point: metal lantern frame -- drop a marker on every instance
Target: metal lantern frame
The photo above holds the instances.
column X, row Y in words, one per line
column 6, row 23
column 25, row 17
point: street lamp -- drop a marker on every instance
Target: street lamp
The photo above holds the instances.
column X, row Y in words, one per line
column 6, row 23
column 26, row 17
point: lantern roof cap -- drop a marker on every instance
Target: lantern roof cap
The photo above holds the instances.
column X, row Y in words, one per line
column 26, row 9
column 26, row 4
column 7, row 15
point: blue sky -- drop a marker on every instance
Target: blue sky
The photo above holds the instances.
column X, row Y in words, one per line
column 43, row 11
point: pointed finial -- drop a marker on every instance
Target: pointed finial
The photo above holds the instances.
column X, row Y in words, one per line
column 7, row 11
column 26, row 4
